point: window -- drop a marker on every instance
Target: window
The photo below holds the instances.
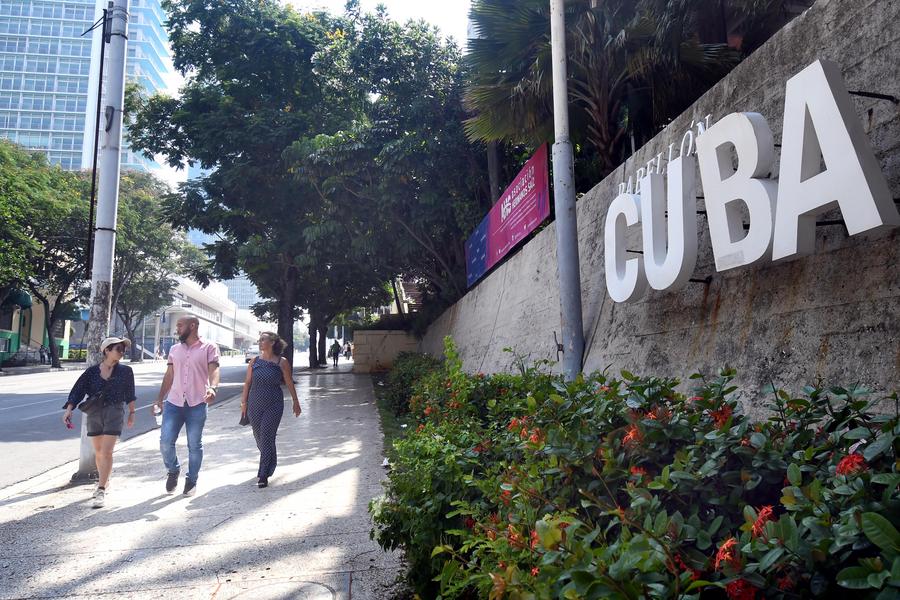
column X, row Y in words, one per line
column 6, row 315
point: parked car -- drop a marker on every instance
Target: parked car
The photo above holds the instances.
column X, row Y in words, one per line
column 251, row 353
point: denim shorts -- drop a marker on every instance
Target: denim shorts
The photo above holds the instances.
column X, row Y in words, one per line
column 107, row 421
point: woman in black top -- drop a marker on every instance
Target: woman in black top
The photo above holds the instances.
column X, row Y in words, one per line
column 104, row 424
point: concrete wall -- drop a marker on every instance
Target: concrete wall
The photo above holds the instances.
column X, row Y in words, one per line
column 833, row 316
column 376, row 350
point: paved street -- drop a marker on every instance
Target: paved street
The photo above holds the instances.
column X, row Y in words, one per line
column 32, row 436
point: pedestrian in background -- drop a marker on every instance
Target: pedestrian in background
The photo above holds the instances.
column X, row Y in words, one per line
column 43, row 353
column 263, row 401
column 104, row 424
column 189, row 386
column 335, row 351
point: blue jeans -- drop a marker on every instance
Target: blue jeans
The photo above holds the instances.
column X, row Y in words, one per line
column 174, row 417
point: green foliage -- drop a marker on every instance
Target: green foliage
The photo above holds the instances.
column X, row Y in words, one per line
column 632, row 67
column 530, row 487
column 401, row 175
column 408, row 368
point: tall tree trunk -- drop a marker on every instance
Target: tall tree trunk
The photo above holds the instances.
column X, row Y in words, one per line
column 286, row 313
column 129, row 331
column 49, row 322
column 286, row 329
column 313, row 347
column 323, row 335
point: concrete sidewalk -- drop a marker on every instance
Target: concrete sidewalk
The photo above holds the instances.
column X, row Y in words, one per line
column 305, row 536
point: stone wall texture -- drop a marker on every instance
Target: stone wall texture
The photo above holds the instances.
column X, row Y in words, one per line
column 375, row 351
column 833, row 317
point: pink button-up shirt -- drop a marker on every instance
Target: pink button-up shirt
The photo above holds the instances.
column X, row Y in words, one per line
column 191, row 365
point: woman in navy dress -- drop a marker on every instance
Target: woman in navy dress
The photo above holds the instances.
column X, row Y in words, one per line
column 263, row 400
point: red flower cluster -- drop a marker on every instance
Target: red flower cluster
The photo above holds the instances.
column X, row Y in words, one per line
column 505, row 497
column 679, row 562
column 763, row 517
column 722, row 415
column 638, row 471
column 534, row 539
column 420, row 428
column 535, row 571
column 470, row 523
column 785, row 583
column 515, row 539
column 515, row 423
column 726, row 554
column 740, row 589
column 633, row 436
column 852, row 464
column 428, row 410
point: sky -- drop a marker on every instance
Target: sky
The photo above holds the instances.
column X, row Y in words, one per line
column 451, row 16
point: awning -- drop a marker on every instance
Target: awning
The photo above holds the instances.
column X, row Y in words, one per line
column 19, row 298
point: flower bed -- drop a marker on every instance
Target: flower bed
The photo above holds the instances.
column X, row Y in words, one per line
column 528, row 487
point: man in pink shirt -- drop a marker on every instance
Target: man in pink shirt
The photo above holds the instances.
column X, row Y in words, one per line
column 189, row 386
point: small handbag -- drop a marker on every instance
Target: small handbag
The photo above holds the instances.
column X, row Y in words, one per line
column 93, row 402
column 245, row 419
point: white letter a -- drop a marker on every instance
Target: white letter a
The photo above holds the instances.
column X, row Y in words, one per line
column 817, row 108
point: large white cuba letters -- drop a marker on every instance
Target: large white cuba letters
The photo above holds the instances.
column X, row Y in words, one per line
column 820, row 126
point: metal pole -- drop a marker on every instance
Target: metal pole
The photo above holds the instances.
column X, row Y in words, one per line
column 90, row 241
column 564, row 200
column 107, row 206
column 156, row 336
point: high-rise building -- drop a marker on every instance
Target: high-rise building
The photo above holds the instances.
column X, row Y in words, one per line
column 49, row 73
column 242, row 292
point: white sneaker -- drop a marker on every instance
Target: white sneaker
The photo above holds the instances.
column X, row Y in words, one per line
column 99, row 498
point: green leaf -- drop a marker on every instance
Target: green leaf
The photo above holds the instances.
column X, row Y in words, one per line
column 440, row 550
column 703, row 540
column 628, row 375
column 880, row 532
column 877, row 447
column 857, row 434
column 854, row 578
column 703, row 583
column 770, row 557
column 794, row 475
column 757, row 440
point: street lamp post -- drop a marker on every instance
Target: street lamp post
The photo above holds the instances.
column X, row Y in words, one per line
column 564, row 199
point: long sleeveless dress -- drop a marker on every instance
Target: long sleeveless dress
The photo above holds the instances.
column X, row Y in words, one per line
column 265, row 407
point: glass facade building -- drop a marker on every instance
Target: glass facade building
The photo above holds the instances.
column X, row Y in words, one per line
column 49, row 72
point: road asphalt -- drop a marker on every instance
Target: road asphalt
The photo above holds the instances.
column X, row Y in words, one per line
column 304, row 536
column 33, row 438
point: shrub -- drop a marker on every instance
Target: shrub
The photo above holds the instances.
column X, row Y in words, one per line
column 530, row 487
column 408, row 368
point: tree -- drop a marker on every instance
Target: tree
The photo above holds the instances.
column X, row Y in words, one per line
column 24, row 178
column 632, row 66
column 406, row 182
column 149, row 252
column 58, row 222
column 253, row 90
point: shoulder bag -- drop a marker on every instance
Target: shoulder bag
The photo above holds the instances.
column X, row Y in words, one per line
column 96, row 401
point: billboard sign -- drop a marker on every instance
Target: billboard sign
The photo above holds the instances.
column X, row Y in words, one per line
column 522, row 207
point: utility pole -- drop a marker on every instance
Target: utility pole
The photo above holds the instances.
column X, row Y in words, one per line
column 107, row 205
column 564, row 201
